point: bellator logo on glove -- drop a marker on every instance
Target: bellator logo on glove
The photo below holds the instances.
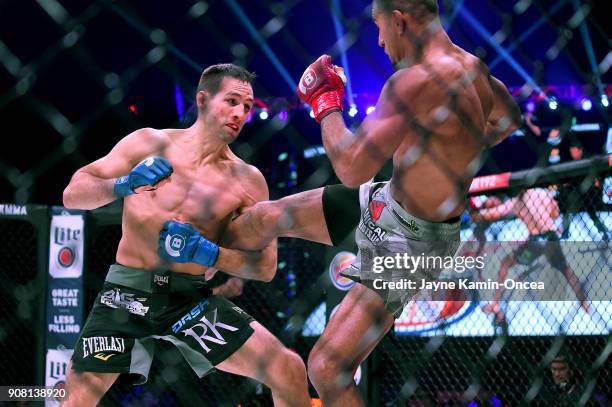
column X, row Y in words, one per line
column 309, row 79
column 322, row 87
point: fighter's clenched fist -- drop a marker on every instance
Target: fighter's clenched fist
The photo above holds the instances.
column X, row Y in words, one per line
column 148, row 175
column 322, row 87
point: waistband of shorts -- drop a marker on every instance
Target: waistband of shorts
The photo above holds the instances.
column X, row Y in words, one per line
column 153, row 281
column 427, row 230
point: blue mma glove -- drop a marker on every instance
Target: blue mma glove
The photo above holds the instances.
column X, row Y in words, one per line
column 181, row 243
column 148, row 172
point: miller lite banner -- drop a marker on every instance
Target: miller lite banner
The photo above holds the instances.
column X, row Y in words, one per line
column 66, row 246
column 65, row 292
column 55, row 371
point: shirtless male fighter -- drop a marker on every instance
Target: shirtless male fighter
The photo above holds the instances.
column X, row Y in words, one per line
column 189, row 174
column 537, row 209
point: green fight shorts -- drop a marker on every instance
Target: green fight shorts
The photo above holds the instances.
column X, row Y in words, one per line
column 135, row 308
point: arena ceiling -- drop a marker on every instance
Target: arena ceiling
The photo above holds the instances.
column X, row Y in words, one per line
column 76, row 76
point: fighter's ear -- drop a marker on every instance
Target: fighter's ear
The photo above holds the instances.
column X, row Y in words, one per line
column 201, row 98
column 398, row 21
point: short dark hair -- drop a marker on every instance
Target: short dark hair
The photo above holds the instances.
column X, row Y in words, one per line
column 213, row 76
column 420, row 9
column 562, row 358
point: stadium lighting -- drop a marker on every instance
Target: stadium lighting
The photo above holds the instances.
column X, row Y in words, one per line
column 586, row 104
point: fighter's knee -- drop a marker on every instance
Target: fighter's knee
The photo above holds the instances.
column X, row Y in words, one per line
column 322, row 371
column 266, row 213
column 288, row 371
column 295, row 365
column 86, row 388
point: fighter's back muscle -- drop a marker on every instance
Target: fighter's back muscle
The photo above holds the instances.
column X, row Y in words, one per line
column 449, row 117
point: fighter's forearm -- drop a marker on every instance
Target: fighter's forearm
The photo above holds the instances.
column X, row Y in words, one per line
column 341, row 145
column 86, row 191
column 252, row 265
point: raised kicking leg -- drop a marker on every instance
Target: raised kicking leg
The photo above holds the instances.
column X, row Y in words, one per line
column 300, row 215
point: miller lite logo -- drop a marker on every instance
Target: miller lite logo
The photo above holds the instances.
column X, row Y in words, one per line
column 66, row 239
column 55, row 371
column 66, row 248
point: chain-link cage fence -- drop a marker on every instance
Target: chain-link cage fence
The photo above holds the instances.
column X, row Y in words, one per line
column 23, row 254
column 492, row 345
column 20, row 277
column 74, row 96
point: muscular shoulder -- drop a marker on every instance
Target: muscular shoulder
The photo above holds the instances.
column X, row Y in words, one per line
column 254, row 183
column 409, row 79
column 154, row 137
column 250, row 178
column 145, row 142
column 415, row 88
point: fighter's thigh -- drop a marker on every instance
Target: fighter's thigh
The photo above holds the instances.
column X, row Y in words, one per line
column 259, row 357
column 353, row 332
column 86, row 388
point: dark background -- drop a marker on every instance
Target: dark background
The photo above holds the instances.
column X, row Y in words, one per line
column 76, row 76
